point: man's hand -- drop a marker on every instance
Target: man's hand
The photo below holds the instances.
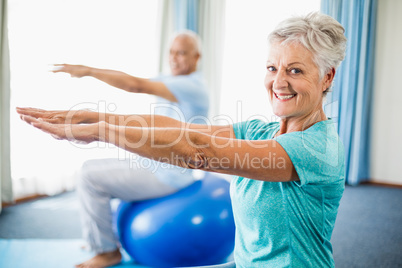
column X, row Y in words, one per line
column 82, row 134
column 53, row 117
column 74, row 70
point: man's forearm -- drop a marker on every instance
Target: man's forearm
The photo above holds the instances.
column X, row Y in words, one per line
column 117, row 79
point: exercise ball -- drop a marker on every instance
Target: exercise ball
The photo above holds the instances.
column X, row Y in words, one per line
column 192, row 227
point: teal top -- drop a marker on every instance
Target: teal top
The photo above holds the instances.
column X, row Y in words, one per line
column 289, row 224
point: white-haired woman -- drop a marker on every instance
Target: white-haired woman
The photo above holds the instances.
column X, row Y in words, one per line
column 289, row 174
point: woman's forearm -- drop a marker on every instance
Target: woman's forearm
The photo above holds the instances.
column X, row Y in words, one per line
column 157, row 121
column 90, row 117
column 260, row 160
column 141, row 121
column 184, row 147
column 135, row 120
column 169, row 145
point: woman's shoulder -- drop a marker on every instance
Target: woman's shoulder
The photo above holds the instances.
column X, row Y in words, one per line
column 324, row 129
column 255, row 129
column 317, row 150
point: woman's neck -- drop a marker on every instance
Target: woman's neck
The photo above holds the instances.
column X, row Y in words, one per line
column 293, row 124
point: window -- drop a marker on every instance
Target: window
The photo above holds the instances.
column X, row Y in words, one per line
column 120, row 35
column 248, row 24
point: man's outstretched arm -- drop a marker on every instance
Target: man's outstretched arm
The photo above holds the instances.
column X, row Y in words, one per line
column 118, row 79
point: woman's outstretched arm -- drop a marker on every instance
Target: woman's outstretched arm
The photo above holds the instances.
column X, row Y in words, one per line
column 143, row 121
column 261, row 160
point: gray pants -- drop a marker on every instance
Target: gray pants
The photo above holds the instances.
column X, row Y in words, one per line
column 100, row 181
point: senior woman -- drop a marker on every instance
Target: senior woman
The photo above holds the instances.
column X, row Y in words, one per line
column 289, row 174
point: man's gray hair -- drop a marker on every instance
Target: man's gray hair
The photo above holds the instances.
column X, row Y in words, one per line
column 317, row 32
column 193, row 36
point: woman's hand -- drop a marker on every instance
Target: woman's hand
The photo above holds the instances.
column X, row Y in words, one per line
column 83, row 134
column 54, row 117
column 74, row 70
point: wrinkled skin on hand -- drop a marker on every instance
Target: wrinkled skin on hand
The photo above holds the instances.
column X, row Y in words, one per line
column 82, row 134
column 53, row 117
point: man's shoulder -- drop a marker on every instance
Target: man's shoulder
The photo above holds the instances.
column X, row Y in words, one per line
column 194, row 77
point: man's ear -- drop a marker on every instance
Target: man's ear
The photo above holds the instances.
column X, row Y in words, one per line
column 198, row 56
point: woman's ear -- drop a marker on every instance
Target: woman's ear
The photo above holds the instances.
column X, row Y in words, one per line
column 328, row 78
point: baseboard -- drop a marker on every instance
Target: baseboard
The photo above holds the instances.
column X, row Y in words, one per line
column 382, row 184
column 37, row 196
column 23, row 200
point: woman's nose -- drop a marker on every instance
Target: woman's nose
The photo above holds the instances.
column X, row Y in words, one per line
column 280, row 80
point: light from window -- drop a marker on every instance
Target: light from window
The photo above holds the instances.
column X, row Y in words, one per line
column 120, row 35
column 248, row 24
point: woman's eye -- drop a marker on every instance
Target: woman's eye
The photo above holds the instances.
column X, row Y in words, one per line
column 295, row 71
column 271, row 69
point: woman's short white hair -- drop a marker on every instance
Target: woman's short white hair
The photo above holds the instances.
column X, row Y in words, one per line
column 317, row 32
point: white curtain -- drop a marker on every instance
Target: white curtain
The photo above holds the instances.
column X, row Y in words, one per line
column 211, row 22
column 166, row 29
column 211, row 18
column 5, row 172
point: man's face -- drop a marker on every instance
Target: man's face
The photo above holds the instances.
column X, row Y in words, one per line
column 182, row 56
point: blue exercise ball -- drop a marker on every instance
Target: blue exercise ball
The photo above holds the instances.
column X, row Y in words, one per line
column 192, row 227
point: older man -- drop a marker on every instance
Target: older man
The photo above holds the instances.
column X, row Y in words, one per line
column 181, row 95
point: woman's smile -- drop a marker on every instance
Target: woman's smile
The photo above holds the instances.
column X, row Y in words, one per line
column 284, row 96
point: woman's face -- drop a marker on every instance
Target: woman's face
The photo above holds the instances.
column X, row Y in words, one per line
column 292, row 81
